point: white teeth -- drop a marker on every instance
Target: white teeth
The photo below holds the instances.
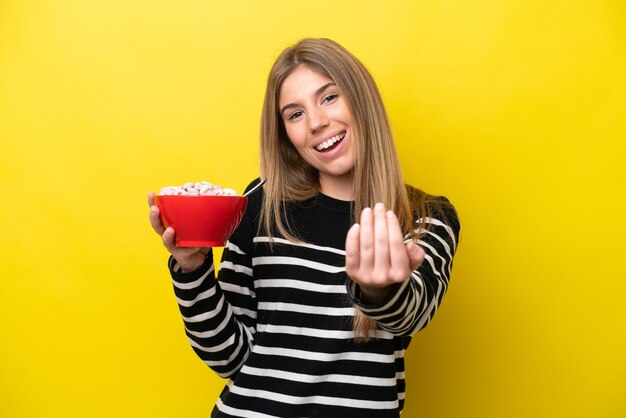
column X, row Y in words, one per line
column 329, row 142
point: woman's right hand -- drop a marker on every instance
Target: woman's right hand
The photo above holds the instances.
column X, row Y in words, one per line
column 188, row 258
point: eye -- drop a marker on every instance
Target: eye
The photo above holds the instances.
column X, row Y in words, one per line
column 295, row 115
column 329, row 98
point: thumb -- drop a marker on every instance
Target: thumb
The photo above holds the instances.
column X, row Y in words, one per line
column 415, row 254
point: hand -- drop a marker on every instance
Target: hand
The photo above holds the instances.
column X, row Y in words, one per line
column 189, row 258
column 376, row 255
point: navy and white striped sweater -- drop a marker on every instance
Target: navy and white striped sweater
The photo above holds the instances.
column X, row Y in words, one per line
column 278, row 321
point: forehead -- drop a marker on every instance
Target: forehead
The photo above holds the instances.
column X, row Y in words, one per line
column 301, row 83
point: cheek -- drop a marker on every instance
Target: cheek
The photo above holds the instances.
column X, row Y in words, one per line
column 298, row 142
column 295, row 136
column 342, row 113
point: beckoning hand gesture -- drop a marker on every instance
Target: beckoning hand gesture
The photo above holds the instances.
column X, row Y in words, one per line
column 376, row 255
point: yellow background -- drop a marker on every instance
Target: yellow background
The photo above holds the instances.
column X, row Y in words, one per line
column 513, row 109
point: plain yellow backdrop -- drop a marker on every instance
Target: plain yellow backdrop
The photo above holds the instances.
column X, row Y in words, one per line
column 515, row 110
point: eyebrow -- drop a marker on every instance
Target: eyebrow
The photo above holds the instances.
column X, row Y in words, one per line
column 317, row 93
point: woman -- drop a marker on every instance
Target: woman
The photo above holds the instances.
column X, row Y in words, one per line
column 312, row 313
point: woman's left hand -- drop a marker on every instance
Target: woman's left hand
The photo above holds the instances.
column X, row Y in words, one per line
column 376, row 255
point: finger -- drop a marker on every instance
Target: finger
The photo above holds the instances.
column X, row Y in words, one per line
column 415, row 254
column 155, row 220
column 150, row 199
column 366, row 241
column 381, row 243
column 399, row 260
column 168, row 239
column 352, row 251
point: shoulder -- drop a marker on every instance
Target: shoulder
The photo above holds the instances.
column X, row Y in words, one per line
column 434, row 210
column 441, row 209
column 256, row 195
column 252, row 184
column 255, row 199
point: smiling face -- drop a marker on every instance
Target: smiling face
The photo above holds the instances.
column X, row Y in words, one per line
column 318, row 122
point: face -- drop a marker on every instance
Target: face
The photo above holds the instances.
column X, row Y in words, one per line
column 319, row 124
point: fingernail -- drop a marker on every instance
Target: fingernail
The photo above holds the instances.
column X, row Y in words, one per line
column 390, row 214
column 367, row 211
column 379, row 206
column 153, row 210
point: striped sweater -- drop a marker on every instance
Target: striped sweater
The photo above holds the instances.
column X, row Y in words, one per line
column 277, row 323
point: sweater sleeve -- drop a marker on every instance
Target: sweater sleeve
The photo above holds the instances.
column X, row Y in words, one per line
column 220, row 315
column 411, row 305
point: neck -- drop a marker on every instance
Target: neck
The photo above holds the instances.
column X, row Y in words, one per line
column 341, row 188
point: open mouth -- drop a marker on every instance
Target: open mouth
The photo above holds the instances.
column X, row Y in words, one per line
column 331, row 143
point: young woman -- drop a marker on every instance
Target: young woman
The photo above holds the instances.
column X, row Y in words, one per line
column 335, row 264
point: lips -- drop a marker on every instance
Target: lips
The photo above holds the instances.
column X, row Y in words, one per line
column 330, row 143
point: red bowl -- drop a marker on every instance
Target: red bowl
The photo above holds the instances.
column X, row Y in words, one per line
column 201, row 221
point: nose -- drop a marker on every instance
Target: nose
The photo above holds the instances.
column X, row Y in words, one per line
column 317, row 119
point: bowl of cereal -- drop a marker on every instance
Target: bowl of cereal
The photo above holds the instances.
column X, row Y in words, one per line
column 202, row 214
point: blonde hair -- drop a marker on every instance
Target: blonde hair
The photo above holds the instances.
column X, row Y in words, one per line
column 377, row 173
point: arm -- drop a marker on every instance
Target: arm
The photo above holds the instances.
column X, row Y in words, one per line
column 402, row 301
column 219, row 316
column 219, row 319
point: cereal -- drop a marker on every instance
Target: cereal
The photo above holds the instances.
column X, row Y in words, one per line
column 202, row 188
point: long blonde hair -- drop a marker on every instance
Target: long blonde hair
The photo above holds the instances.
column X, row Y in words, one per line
column 377, row 173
